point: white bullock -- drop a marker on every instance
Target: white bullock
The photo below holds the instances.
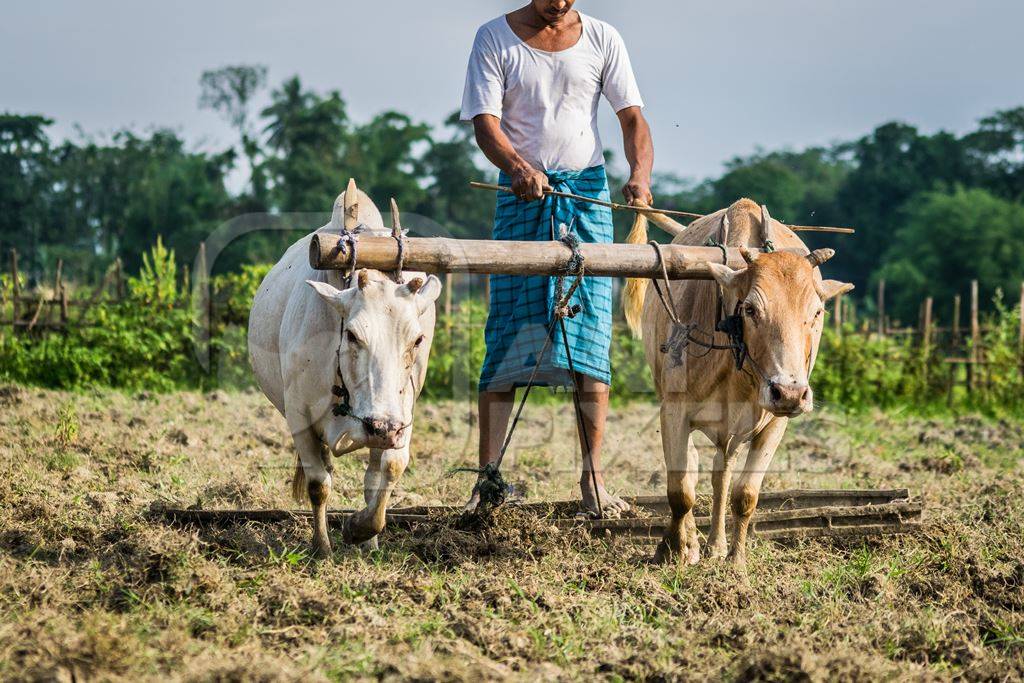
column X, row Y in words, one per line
column 344, row 365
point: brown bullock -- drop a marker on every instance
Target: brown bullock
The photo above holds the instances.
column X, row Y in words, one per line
column 781, row 298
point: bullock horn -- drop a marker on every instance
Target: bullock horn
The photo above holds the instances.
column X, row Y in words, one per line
column 748, row 256
column 363, row 278
column 767, row 233
column 819, row 256
column 351, row 205
column 396, row 218
column 414, row 285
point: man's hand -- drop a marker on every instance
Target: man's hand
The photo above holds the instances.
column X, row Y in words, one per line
column 528, row 183
column 638, row 189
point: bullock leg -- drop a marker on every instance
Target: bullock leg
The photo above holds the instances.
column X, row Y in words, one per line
column 318, row 486
column 371, row 484
column 681, row 464
column 721, row 476
column 748, row 486
column 364, row 525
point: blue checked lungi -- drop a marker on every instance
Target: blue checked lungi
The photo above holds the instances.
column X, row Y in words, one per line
column 522, row 307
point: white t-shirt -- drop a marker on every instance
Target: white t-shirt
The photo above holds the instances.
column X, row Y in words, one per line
column 547, row 101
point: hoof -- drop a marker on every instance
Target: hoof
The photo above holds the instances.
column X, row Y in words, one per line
column 370, row 546
column 355, row 535
column 718, row 552
column 663, row 554
column 322, row 549
column 738, row 561
column 693, row 556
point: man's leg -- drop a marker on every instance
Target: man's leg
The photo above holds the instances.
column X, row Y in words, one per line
column 495, row 409
column 594, row 400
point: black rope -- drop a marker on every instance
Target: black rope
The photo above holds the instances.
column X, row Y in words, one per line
column 573, row 266
column 343, row 408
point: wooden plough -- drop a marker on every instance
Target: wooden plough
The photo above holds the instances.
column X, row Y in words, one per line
column 793, row 514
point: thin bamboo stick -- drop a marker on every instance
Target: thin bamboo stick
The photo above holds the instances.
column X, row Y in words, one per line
column 649, row 209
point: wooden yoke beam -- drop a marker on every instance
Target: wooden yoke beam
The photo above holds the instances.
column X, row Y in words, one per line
column 499, row 257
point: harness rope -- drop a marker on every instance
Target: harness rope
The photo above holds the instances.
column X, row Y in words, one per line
column 682, row 334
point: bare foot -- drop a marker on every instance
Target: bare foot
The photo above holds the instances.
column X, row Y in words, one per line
column 611, row 506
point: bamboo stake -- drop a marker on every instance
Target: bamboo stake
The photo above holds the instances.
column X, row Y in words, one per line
column 975, row 328
column 448, row 278
column 35, row 316
column 928, row 303
column 63, row 306
column 16, row 285
column 1020, row 334
column 118, row 280
column 59, row 293
column 881, row 308
column 956, row 322
column 975, row 336
column 837, row 318
column 650, row 210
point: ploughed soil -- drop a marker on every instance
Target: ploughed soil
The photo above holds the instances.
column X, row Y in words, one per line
column 94, row 585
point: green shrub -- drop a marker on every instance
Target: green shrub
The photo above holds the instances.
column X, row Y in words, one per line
column 147, row 341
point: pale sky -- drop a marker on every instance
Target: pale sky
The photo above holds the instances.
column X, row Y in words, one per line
column 719, row 78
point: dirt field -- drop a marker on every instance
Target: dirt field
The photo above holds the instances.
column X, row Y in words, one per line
column 93, row 586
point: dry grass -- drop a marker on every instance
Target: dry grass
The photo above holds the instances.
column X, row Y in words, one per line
column 92, row 586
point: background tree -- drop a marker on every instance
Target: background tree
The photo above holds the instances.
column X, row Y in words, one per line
column 449, row 166
column 25, row 166
column 307, row 138
column 949, row 239
column 230, row 91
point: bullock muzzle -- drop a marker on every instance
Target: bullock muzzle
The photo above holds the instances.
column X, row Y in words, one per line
column 383, row 432
column 789, row 399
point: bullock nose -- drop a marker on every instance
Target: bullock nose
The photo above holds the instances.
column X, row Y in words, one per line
column 381, row 427
column 788, row 399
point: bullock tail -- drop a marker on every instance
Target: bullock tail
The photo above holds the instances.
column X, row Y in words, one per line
column 636, row 288
column 300, row 492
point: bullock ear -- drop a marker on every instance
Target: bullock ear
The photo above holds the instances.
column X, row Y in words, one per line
column 829, row 289
column 725, row 276
column 426, row 291
column 333, row 296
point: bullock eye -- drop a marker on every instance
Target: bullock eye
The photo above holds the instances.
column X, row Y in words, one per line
column 419, row 341
column 352, row 338
column 750, row 311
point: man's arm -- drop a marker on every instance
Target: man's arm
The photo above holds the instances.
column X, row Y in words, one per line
column 636, row 139
column 527, row 182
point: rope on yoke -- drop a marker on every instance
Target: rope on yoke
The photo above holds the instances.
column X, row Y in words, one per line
column 350, row 237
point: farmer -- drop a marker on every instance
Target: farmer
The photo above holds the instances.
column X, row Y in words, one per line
column 534, row 81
